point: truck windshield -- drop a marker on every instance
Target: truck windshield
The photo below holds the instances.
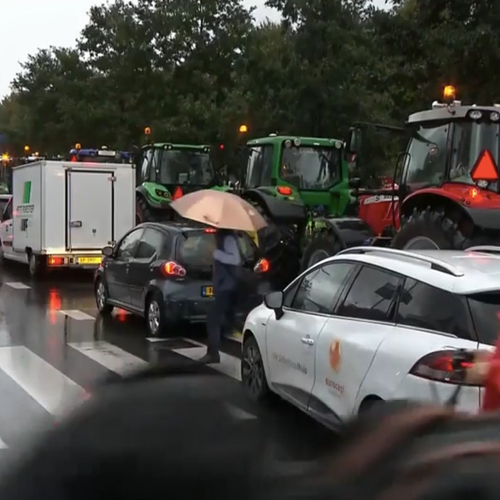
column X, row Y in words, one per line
column 470, row 139
column 311, row 167
column 186, row 167
column 485, row 309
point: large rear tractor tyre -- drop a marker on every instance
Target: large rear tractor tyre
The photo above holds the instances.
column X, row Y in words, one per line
column 324, row 244
column 429, row 230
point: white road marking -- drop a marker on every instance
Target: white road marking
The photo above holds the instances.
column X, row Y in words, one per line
column 239, row 413
column 110, row 356
column 229, row 365
column 17, row 285
column 77, row 314
column 50, row 388
column 3, row 446
column 156, row 339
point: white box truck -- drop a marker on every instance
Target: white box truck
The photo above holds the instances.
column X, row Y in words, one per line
column 62, row 213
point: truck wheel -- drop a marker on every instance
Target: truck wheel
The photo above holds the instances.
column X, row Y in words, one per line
column 36, row 265
column 143, row 212
column 324, row 244
column 429, row 230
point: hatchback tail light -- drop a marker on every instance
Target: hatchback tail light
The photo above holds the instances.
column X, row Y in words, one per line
column 262, row 266
column 442, row 366
column 173, row 269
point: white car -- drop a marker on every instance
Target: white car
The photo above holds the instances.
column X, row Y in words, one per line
column 373, row 324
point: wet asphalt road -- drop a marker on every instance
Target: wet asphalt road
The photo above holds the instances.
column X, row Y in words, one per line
column 54, row 351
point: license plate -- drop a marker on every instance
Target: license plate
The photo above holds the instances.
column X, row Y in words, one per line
column 89, row 260
column 207, row 291
column 106, row 152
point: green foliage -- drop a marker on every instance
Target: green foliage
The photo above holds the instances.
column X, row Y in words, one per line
column 194, row 71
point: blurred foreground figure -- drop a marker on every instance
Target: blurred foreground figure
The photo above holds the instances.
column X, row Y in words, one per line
column 168, row 434
column 157, row 435
column 406, row 451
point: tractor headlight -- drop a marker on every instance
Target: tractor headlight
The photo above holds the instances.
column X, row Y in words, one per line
column 495, row 116
column 476, row 114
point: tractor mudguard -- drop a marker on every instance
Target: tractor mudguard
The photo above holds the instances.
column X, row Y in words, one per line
column 350, row 231
column 484, row 218
column 148, row 191
column 280, row 210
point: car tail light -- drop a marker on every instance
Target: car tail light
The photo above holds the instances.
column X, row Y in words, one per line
column 171, row 268
column 441, row 366
column 210, row 230
column 55, row 261
column 262, row 266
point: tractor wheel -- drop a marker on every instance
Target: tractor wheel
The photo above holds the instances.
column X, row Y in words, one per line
column 143, row 212
column 429, row 229
column 324, row 244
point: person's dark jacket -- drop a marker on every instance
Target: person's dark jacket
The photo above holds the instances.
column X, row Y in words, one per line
column 227, row 262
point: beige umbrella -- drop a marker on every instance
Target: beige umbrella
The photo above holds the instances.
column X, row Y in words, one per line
column 219, row 209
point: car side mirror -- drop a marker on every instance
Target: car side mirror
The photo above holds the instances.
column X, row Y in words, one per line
column 108, row 251
column 274, row 301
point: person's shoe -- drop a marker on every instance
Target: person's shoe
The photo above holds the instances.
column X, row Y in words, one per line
column 209, row 359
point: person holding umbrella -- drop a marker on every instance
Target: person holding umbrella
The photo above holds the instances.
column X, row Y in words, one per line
column 227, row 260
column 228, row 213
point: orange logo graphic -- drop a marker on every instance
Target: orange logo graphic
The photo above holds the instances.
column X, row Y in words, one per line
column 335, row 355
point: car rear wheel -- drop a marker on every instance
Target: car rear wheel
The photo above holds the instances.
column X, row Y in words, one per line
column 253, row 376
column 155, row 315
column 101, row 298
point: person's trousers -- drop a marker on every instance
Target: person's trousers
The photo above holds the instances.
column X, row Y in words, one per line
column 221, row 318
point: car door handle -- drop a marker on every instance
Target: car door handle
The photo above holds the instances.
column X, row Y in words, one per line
column 307, row 340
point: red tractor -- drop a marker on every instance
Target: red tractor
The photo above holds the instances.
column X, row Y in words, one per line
column 447, row 194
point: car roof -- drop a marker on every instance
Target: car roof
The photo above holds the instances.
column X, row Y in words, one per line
column 461, row 272
column 174, row 227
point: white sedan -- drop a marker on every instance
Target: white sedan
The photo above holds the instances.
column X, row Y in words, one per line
column 373, row 324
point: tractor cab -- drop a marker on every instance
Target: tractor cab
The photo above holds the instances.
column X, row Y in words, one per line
column 165, row 172
column 447, row 189
column 307, row 168
column 102, row 155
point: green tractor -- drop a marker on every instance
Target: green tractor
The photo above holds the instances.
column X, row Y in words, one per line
column 165, row 172
column 301, row 186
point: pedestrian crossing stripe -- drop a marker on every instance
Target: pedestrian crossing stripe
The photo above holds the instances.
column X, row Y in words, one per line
column 110, row 356
column 237, row 336
column 229, row 365
column 32, row 389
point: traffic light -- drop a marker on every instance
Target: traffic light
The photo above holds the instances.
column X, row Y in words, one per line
column 147, row 131
column 243, row 129
column 221, row 147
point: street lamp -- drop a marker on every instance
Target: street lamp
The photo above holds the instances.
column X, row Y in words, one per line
column 26, row 148
column 243, row 129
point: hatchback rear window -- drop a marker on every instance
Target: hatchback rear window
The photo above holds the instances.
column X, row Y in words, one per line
column 196, row 248
column 485, row 309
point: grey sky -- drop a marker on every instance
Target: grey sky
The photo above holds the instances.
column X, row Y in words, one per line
column 27, row 25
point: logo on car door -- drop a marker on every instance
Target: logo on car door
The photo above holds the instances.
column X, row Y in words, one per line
column 335, row 355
